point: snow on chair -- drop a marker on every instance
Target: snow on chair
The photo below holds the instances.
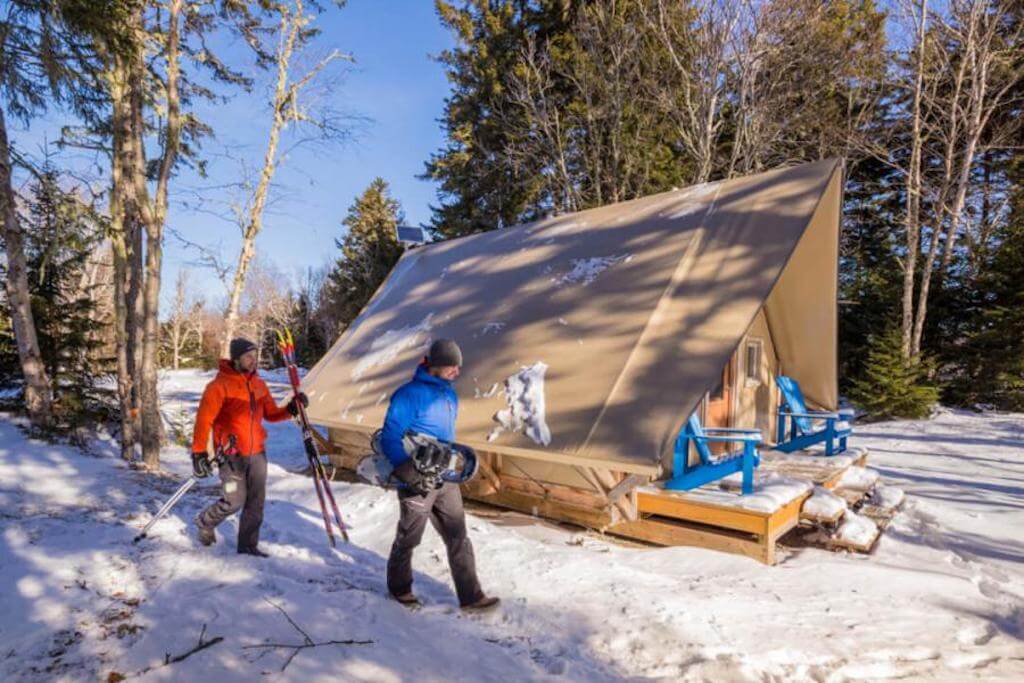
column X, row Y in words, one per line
column 713, row 467
column 802, row 431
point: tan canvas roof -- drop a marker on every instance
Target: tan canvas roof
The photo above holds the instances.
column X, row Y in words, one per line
column 623, row 315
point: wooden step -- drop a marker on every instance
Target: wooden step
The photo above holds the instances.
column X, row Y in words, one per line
column 807, row 517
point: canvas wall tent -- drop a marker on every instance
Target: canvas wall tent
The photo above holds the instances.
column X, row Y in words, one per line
column 590, row 337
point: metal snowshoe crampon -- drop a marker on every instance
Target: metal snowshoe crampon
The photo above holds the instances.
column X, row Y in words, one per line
column 438, row 461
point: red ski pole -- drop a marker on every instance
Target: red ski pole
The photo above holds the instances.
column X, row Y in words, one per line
column 287, row 345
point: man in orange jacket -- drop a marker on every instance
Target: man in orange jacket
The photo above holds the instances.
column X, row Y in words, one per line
column 233, row 407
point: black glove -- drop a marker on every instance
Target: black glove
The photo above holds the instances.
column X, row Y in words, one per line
column 412, row 478
column 201, row 466
column 293, row 408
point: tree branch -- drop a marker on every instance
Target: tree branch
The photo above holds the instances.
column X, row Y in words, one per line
column 297, row 648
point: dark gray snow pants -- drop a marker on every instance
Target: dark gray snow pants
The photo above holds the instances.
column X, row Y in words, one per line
column 243, row 487
column 443, row 507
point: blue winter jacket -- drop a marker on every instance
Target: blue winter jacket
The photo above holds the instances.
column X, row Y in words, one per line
column 427, row 405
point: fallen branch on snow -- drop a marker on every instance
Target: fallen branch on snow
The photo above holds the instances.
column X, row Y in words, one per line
column 201, row 645
column 168, row 659
column 297, row 648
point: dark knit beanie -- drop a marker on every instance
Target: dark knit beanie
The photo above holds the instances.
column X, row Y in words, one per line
column 239, row 347
column 443, row 353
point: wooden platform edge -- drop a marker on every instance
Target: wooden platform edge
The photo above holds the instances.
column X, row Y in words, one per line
column 670, row 532
column 660, row 519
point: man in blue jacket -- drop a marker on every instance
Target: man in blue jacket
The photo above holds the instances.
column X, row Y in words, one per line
column 428, row 405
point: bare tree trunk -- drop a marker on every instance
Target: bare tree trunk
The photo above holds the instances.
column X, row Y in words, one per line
column 152, row 423
column 38, row 394
column 913, row 194
column 120, row 221
column 135, row 307
column 178, row 320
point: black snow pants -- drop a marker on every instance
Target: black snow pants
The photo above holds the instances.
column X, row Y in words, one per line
column 443, row 507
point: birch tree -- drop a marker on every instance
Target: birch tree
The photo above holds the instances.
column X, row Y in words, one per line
column 978, row 69
column 288, row 110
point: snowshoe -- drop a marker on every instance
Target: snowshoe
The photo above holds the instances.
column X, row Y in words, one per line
column 376, row 470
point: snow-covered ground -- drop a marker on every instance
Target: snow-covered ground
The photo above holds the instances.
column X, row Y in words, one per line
column 942, row 597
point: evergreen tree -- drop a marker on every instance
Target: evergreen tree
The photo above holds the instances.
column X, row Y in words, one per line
column 62, row 234
column 891, row 387
column 869, row 281
column 989, row 355
column 368, row 252
column 479, row 189
column 310, row 344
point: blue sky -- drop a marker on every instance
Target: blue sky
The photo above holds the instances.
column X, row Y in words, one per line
column 394, row 84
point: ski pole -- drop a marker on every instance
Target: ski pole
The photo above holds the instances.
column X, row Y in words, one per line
column 182, row 490
column 323, row 505
column 319, row 468
column 229, row 449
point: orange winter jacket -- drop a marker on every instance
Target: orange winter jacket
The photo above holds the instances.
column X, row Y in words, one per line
column 235, row 403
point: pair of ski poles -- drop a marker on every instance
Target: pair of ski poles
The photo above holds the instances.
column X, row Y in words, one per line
column 286, row 343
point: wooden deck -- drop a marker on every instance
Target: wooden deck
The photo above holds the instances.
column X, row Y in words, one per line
column 716, row 516
column 684, row 518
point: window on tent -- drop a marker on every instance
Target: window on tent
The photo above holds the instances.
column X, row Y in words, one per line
column 752, row 361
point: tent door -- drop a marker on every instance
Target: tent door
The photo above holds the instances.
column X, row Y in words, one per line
column 718, row 410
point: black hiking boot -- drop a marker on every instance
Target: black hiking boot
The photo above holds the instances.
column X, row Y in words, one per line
column 255, row 552
column 483, row 604
column 204, row 534
column 407, row 599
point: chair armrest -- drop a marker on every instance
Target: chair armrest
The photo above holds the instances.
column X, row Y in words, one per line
column 731, row 430
column 729, row 439
column 814, row 415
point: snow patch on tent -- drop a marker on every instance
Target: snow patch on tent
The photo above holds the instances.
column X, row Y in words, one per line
column 389, row 345
column 486, row 394
column 525, row 412
column 495, row 326
column 693, row 201
column 585, row 271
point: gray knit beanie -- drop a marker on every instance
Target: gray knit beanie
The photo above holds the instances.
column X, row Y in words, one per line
column 443, row 353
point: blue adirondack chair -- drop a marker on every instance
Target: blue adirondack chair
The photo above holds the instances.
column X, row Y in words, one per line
column 713, row 467
column 802, row 431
